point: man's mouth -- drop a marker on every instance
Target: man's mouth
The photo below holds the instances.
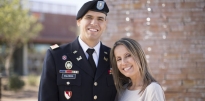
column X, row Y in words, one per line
column 93, row 30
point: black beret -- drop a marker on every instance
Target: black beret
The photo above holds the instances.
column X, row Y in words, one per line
column 95, row 5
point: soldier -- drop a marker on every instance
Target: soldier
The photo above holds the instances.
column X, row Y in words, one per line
column 80, row 71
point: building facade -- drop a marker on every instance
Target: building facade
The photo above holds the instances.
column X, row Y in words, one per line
column 172, row 33
column 59, row 27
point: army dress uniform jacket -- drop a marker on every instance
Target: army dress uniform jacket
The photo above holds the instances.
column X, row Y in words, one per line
column 68, row 76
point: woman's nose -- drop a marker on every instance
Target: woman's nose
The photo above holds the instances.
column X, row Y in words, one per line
column 123, row 62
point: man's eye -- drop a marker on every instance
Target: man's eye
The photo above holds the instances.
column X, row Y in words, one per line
column 100, row 19
column 88, row 17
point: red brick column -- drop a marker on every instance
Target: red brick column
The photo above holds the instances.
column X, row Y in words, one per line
column 172, row 33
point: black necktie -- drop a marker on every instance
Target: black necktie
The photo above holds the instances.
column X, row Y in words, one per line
column 90, row 58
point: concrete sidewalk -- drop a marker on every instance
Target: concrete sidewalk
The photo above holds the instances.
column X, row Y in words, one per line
column 26, row 94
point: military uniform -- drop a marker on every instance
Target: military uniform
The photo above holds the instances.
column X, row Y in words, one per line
column 67, row 75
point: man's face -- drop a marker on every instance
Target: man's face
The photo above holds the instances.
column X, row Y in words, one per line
column 92, row 25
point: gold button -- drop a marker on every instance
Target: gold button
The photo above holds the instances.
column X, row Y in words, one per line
column 68, row 83
column 95, row 97
column 95, row 83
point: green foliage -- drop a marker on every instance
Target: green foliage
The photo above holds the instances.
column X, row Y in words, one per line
column 32, row 80
column 15, row 83
column 16, row 25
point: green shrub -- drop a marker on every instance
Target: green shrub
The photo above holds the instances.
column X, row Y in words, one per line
column 32, row 80
column 15, row 83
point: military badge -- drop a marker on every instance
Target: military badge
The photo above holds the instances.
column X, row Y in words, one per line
column 79, row 58
column 64, row 57
column 69, row 71
column 105, row 52
column 75, row 52
column 68, row 65
column 68, row 94
column 100, row 5
column 105, row 58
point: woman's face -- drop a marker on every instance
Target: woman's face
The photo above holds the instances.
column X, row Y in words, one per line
column 126, row 62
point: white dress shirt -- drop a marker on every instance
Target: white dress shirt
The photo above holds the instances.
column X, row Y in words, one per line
column 96, row 53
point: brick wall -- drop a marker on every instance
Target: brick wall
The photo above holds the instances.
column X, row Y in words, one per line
column 172, row 33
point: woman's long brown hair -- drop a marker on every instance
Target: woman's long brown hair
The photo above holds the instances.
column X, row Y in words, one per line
column 138, row 54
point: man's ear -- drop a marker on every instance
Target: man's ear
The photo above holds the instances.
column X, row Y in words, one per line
column 106, row 22
column 78, row 22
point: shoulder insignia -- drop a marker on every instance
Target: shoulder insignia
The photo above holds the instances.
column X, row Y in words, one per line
column 54, row 46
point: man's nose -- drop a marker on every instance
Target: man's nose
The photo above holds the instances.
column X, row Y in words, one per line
column 94, row 22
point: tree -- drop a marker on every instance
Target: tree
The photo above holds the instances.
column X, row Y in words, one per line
column 17, row 27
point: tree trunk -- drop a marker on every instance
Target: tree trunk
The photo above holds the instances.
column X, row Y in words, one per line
column 11, row 49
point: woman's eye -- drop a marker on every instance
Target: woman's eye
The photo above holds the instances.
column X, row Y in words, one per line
column 118, row 59
column 128, row 55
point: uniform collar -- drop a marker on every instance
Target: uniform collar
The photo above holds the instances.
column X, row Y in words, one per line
column 85, row 46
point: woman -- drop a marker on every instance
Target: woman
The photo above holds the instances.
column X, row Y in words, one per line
column 130, row 72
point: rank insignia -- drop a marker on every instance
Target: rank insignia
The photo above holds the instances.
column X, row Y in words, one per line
column 75, row 52
column 105, row 52
column 79, row 58
column 68, row 65
column 54, row 46
column 105, row 58
column 64, row 57
column 110, row 71
column 100, row 5
column 68, row 94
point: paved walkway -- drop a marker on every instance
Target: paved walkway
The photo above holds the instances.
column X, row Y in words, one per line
column 27, row 94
